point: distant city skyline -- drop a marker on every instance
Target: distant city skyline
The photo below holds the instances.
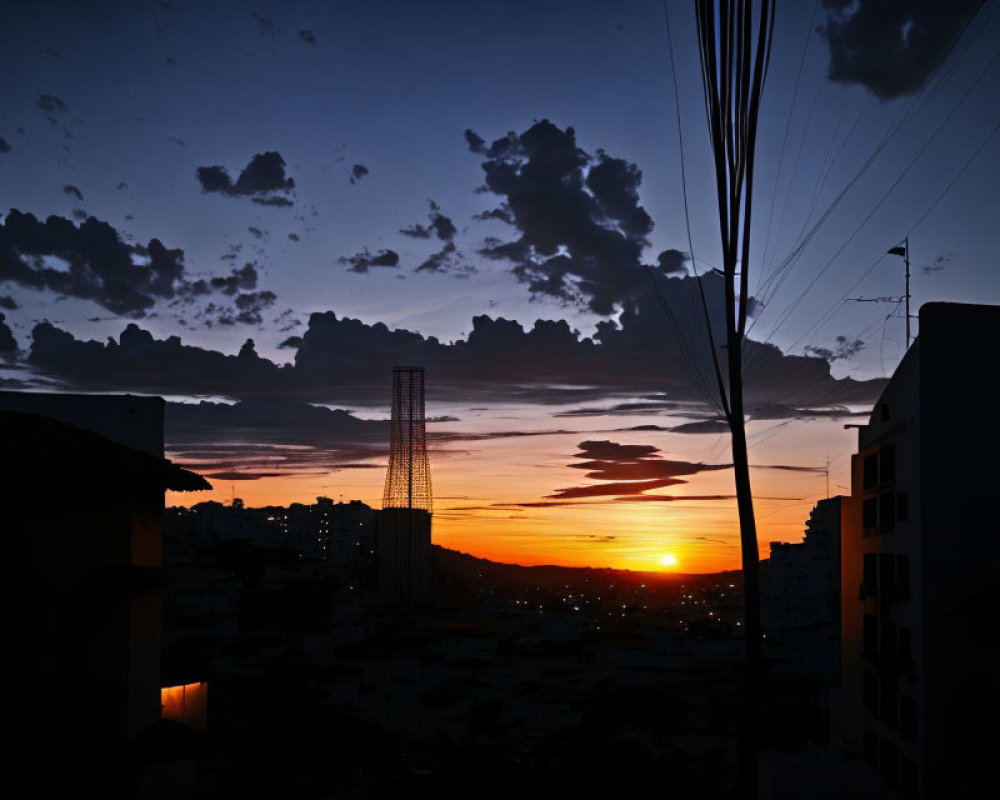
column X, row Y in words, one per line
column 184, row 178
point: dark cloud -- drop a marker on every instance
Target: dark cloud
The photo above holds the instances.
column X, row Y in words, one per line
column 307, row 36
column 610, row 461
column 892, row 48
column 263, row 175
column 293, row 237
column 6, row 301
column 291, row 343
column 4, row 146
column 271, row 436
column 122, row 185
column 8, row 344
column 346, row 361
column 447, row 259
column 251, row 306
column 79, row 214
column 438, row 225
column 51, row 104
column 702, row 426
column 363, row 261
column 277, row 200
column 90, row 262
column 846, row 348
column 70, row 189
column 582, row 230
column 257, row 232
column 358, row 171
column 243, row 278
column 624, row 488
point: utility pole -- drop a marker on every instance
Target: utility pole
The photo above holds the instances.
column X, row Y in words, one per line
column 828, row 477
column 906, row 260
column 904, row 251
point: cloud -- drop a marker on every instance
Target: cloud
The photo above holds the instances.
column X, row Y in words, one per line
column 845, row 349
column 892, row 49
column 51, row 104
column 6, row 301
column 363, row 261
column 8, row 344
column 358, row 171
column 263, row 175
column 291, row 343
column 4, row 146
column 271, row 436
column 308, row 37
column 447, row 259
column 582, row 230
column 438, row 225
column 345, row 361
column 70, row 189
column 243, row 278
column 90, row 262
column 625, row 488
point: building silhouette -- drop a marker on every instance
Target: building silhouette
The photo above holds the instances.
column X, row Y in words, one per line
column 404, row 525
column 801, row 608
column 920, row 691
column 84, row 512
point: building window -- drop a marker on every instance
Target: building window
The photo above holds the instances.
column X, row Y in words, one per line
column 869, row 516
column 908, row 718
column 888, row 696
column 907, row 778
column 887, row 576
column 869, row 476
column 869, row 586
column 902, row 506
column 889, row 763
column 887, row 465
column 905, row 648
column 903, row 577
column 871, row 747
column 871, row 693
column 870, row 641
column 887, row 512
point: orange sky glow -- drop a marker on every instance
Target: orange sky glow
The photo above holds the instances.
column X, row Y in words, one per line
column 481, row 489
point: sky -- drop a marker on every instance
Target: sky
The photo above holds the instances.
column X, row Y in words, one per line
column 255, row 210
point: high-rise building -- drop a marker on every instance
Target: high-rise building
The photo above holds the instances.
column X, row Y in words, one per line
column 920, row 566
column 404, row 531
column 801, row 608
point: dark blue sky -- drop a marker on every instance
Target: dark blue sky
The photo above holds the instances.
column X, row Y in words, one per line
column 392, row 86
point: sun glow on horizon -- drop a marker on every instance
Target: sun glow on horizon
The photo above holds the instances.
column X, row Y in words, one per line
column 668, row 560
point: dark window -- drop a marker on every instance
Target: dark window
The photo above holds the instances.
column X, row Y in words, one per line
column 902, row 506
column 887, row 576
column 871, row 747
column 889, row 699
column 908, row 719
column 870, row 641
column 869, row 514
column 870, row 574
column 903, row 577
column 871, row 693
column 888, row 643
column 907, row 778
column 870, row 471
column 889, row 763
column 887, row 465
column 905, row 647
column 887, row 512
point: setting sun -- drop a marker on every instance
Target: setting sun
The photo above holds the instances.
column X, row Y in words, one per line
column 669, row 560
